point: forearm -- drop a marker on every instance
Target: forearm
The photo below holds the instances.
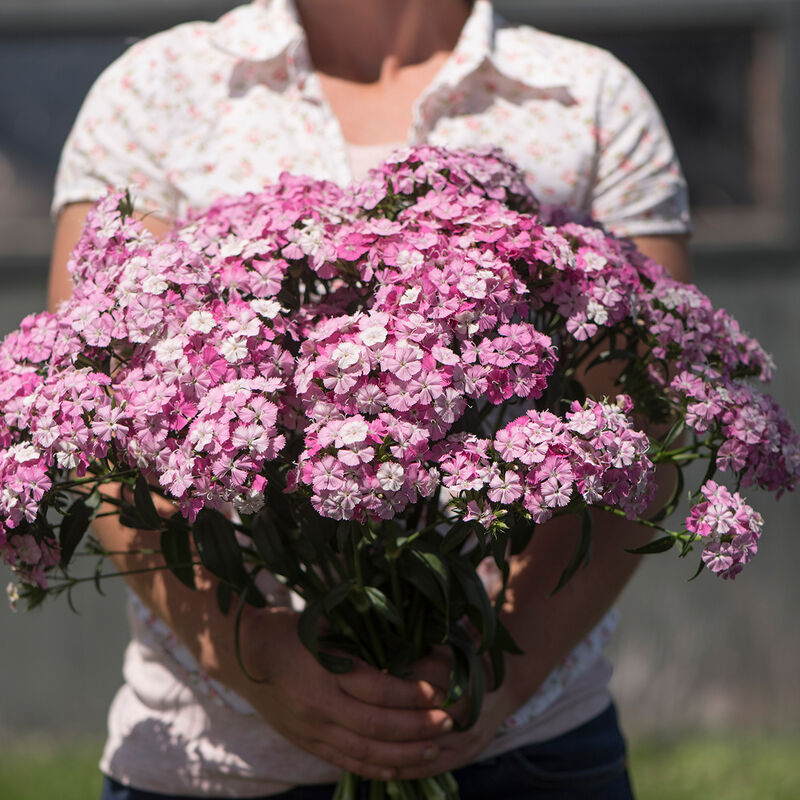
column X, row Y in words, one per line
column 547, row 625
column 193, row 615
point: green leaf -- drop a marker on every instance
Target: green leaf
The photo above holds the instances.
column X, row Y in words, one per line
column 459, row 679
column 479, row 607
column 521, row 534
column 428, row 573
column 674, row 432
column 582, row 552
column 660, row 545
column 383, row 606
column 125, row 206
column 215, row 540
column 468, row 676
column 73, row 526
column 130, row 517
column 143, row 501
column 700, row 567
column 455, row 537
column 224, row 597
column 308, row 630
column 272, row 548
column 251, row 593
column 308, row 627
column 177, row 551
column 498, row 661
column 344, row 531
column 94, row 499
column 437, row 567
column 506, row 640
column 712, row 466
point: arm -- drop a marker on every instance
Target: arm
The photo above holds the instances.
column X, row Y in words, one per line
column 364, row 721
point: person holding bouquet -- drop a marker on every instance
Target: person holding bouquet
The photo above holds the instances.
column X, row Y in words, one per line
column 328, row 88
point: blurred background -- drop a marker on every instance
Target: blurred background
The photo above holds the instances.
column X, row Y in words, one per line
column 701, row 656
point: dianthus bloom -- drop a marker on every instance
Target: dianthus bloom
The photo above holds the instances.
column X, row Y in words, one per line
column 359, row 354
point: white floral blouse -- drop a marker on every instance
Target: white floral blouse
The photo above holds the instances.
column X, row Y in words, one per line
column 207, row 109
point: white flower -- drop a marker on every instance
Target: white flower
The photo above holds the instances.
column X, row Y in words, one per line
column 268, row 309
column 201, row 435
column 410, row 295
column 154, row 284
column 309, row 237
column 582, row 422
column 200, row 322
column 233, row 350
column 169, row 350
column 373, row 334
column 346, row 354
column 8, row 500
column 353, row 431
column 23, row 453
column 408, row 259
column 390, row 476
column 596, row 312
column 594, row 262
column 67, row 458
column 232, row 247
column 472, row 286
column 12, row 590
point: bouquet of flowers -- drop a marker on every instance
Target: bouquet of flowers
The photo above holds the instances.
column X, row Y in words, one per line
column 369, row 392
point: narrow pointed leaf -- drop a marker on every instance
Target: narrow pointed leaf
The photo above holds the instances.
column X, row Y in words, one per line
column 660, row 545
column 177, row 553
column 383, row 606
column 215, row 540
column 72, row 529
column 582, row 552
column 143, row 501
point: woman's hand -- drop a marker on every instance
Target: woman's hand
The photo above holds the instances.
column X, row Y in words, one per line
column 459, row 748
column 365, row 721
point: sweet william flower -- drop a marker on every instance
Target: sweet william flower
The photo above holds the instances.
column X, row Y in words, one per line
column 409, row 305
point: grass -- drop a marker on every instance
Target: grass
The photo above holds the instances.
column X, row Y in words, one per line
column 694, row 768
column 45, row 770
column 704, row 768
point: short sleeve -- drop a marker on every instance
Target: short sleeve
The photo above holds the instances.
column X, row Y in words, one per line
column 639, row 188
column 119, row 137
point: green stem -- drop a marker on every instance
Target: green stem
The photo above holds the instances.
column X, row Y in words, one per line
column 679, row 536
column 416, row 620
column 647, row 523
column 69, row 583
column 107, row 553
column 366, row 615
column 95, row 479
column 397, row 594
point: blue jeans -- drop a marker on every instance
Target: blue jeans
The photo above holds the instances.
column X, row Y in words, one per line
column 587, row 763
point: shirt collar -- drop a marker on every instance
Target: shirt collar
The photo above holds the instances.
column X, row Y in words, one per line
column 268, row 29
column 477, row 48
column 261, row 31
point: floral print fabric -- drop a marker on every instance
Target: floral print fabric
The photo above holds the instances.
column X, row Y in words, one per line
column 208, row 109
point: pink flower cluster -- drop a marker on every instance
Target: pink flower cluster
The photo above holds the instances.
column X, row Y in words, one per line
column 544, row 463
column 351, row 338
column 754, row 437
column 684, row 328
column 423, row 170
column 729, row 527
